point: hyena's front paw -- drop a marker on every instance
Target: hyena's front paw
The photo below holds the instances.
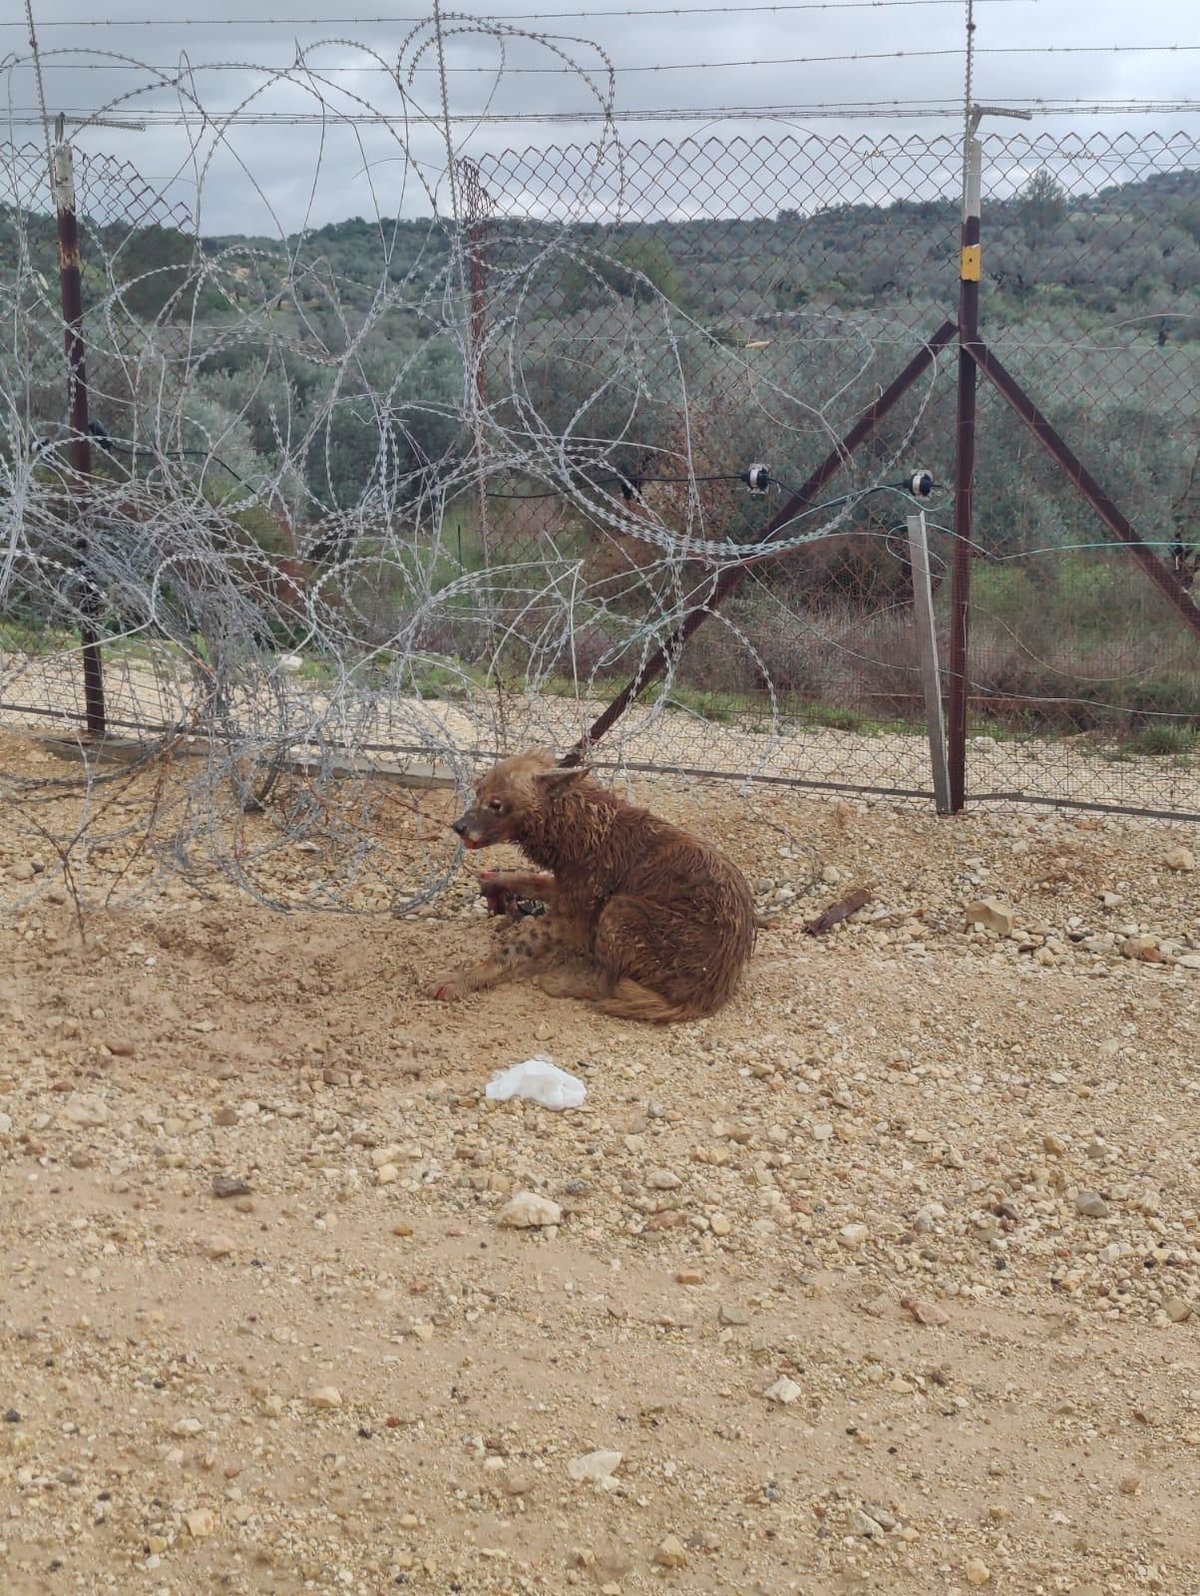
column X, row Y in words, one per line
column 449, row 988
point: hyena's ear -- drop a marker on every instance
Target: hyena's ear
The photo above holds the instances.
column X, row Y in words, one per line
column 561, row 778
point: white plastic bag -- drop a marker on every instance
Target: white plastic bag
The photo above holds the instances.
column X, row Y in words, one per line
column 540, row 1080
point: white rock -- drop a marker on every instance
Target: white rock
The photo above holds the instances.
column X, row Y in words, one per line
column 784, row 1391
column 993, row 914
column 528, row 1211
column 853, row 1235
column 662, row 1180
column 326, row 1397
column 594, row 1466
column 1180, row 859
column 85, row 1110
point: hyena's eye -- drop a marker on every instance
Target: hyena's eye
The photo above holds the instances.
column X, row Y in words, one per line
column 495, row 805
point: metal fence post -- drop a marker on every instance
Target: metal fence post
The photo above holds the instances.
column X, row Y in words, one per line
column 476, row 217
column 922, row 586
column 62, row 179
column 969, row 272
column 971, row 267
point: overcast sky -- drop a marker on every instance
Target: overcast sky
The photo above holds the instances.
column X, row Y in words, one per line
column 264, row 174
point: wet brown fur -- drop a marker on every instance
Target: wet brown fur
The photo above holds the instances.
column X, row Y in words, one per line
column 644, row 920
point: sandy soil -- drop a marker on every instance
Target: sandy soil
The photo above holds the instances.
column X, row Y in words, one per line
column 883, row 1280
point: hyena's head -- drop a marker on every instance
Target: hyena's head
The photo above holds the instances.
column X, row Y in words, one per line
column 513, row 795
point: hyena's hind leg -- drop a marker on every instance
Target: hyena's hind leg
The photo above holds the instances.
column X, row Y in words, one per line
column 575, row 977
column 525, row 949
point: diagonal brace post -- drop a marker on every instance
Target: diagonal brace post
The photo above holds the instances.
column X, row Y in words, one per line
column 1085, row 484
column 656, row 664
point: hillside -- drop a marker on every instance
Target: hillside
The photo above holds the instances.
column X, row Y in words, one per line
column 343, row 346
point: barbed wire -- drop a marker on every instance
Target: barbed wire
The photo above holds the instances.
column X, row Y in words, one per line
column 654, row 68
column 426, row 487
column 86, row 23
column 277, row 565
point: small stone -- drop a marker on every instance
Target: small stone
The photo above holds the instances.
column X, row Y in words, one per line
column 720, row 1225
column 218, row 1247
column 853, row 1235
column 225, row 1116
column 1177, row 1309
column 5, row 1124
column 1091, row 1205
column 326, row 1397
column 1143, row 948
column 1180, row 859
column 230, row 1186
column 387, row 1174
column 689, row 1277
column 993, row 914
column 595, row 1466
column 976, row 1571
column 863, row 1524
column 727, row 1314
column 1129, row 1485
column 885, row 1520
column 662, row 1180
column 201, row 1522
column 670, row 1553
column 401, row 1228
column 927, row 1313
column 85, row 1110
column 185, row 1427
column 528, row 1211
column 822, row 1131
column 21, row 871
column 1052, row 1143
column 784, row 1391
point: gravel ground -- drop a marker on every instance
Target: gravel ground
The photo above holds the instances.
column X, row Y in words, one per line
column 885, row 1279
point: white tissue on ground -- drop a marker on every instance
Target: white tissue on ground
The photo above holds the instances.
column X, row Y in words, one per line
column 541, row 1081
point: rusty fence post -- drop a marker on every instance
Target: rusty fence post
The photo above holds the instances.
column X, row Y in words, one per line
column 969, row 273
column 476, row 213
column 62, row 180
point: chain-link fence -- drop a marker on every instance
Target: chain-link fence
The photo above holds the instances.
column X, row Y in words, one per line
column 135, row 251
column 722, row 291
column 648, row 359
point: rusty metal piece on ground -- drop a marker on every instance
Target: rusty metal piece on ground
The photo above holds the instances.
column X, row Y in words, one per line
column 837, row 912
